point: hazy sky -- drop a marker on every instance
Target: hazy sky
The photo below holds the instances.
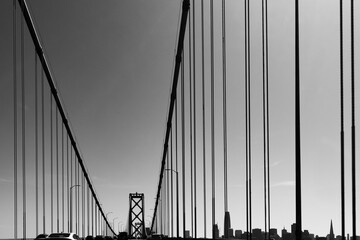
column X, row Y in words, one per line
column 112, row 62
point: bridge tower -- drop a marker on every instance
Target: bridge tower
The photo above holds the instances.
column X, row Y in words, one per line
column 136, row 216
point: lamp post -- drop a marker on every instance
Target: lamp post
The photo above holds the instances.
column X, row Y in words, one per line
column 119, row 226
column 77, row 185
column 114, row 222
column 106, row 221
column 177, row 201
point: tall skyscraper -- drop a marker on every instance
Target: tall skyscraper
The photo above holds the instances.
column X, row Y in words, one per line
column 227, row 225
column 331, row 235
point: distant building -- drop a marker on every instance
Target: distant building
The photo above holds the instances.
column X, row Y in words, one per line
column 307, row 236
column 357, row 238
column 238, row 234
column 293, row 229
column 227, row 224
column 274, row 234
column 187, row 234
column 331, row 235
column 216, row 231
column 273, row 231
column 285, row 235
column 257, row 234
column 338, row 237
column 320, row 238
column 230, row 233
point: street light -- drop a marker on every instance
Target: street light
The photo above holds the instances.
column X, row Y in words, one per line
column 106, row 221
column 77, row 185
column 114, row 222
column 177, row 200
column 119, row 226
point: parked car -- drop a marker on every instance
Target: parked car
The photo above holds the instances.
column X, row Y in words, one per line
column 63, row 236
column 41, row 236
column 89, row 237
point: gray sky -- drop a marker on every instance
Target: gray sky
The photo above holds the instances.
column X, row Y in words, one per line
column 112, row 61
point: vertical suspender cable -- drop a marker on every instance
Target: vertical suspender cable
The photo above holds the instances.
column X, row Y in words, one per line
column 342, row 141
column 212, row 117
column 88, row 210
column 43, row 148
column 247, row 121
column 67, row 182
column 15, row 122
column 23, row 126
column 265, row 118
column 183, row 140
column 267, row 112
column 194, row 121
column 92, row 216
column 161, row 210
column 246, row 130
column 224, row 107
column 76, row 194
column 78, row 197
column 177, row 170
column 51, row 163
column 57, row 169
column 81, row 202
column 190, row 133
column 227, row 214
column 264, row 123
column 62, row 177
column 353, row 147
column 203, row 109
column 297, row 126
column 78, row 207
column 96, row 224
column 249, row 117
column 168, row 194
column 172, row 183
column 83, row 205
column 36, row 152
column 71, row 184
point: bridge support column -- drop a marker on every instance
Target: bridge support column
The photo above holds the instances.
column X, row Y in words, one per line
column 136, row 216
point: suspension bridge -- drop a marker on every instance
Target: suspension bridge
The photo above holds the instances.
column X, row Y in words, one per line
column 242, row 101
